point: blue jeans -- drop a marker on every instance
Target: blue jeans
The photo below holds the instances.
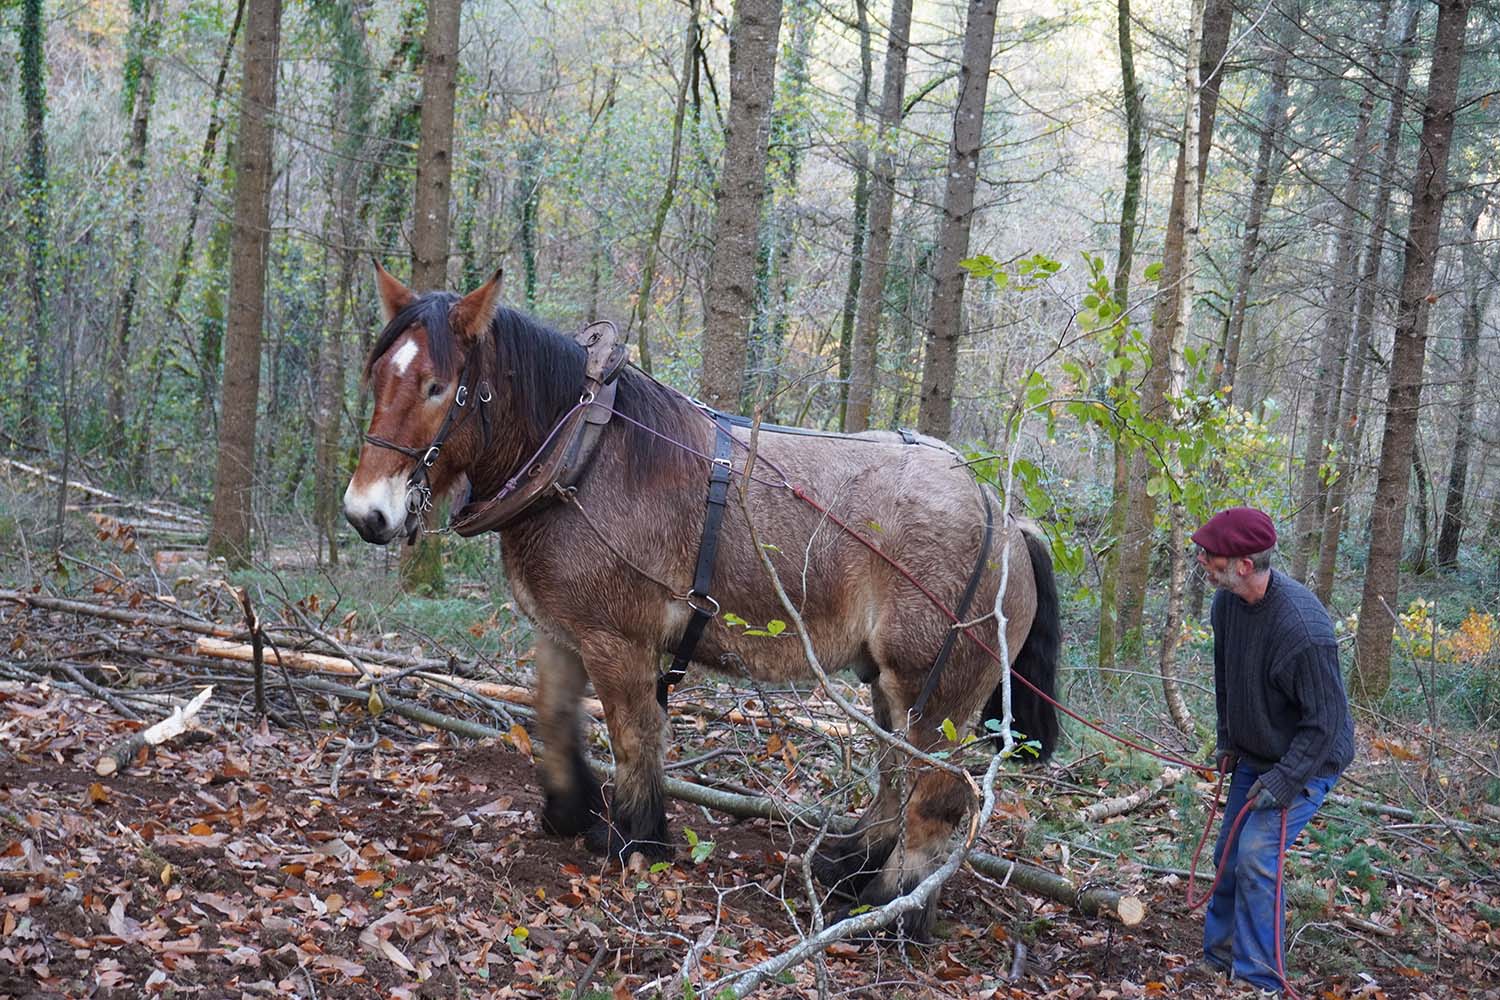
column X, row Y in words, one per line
column 1243, row 922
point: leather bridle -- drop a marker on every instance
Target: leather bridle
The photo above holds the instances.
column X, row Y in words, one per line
column 418, row 487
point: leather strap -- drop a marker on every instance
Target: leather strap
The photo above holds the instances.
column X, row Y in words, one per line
column 705, row 608
column 935, row 673
column 571, row 444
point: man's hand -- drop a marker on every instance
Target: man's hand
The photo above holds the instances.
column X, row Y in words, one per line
column 1227, row 761
column 1260, row 796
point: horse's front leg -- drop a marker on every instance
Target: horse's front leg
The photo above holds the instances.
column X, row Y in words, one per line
column 574, row 802
column 624, row 677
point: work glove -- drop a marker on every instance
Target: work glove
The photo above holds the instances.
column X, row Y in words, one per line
column 1260, row 797
column 1227, row 761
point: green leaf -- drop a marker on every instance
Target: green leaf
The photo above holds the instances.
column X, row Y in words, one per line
column 949, row 730
column 775, row 626
column 1153, row 271
column 660, row 867
column 730, row 618
column 1155, row 486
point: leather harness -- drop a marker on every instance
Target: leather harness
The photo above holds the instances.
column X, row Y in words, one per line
column 553, row 472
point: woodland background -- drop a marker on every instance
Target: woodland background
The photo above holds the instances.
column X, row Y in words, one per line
column 1149, row 260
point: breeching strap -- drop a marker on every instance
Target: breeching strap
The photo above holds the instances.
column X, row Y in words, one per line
column 698, row 598
column 935, row 674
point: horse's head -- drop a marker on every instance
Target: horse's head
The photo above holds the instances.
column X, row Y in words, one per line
column 414, row 372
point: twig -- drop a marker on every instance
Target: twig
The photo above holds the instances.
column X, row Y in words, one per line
column 581, row 990
column 101, row 693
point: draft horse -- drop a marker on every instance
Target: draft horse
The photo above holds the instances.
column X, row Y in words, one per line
column 603, row 564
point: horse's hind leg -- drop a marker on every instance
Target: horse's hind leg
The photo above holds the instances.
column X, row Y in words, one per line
column 846, row 862
column 935, row 800
column 574, row 803
column 624, row 677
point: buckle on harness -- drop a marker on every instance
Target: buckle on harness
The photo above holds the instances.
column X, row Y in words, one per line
column 701, row 603
column 430, row 457
column 461, row 396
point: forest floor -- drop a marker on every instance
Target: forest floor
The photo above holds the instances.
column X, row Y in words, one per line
column 325, row 852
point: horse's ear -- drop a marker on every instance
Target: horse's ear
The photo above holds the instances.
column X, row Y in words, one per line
column 472, row 315
column 394, row 296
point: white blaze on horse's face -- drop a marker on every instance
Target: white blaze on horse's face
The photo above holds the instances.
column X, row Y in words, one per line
column 403, row 354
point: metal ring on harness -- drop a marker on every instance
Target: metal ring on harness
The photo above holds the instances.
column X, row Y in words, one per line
column 418, row 498
column 701, row 603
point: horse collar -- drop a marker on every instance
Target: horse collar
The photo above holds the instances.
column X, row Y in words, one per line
column 565, row 452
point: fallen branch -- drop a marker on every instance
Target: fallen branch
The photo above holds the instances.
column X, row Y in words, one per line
column 94, row 491
column 321, row 663
column 1122, row 804
column 183, row 623
column 116, row 758
column 512, row 693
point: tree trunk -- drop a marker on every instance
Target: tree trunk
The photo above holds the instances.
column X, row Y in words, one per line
column 945, row 325
column 421, row 566
column 1109, row 577
column 863, row 346
column 234, row 477
column 1333, row 352
column 1364, row 315
column 1423, row 513
column 429, row 229
column 1372, row 664
column 1166, row 332
column 140, row 91
column 145, row 432
column 861, row 212
column 1476, row 298
column 353, row 91
column 34, row 199
column 730, row 298
column 1269, row 160
column 774, row 279
column 641, row 316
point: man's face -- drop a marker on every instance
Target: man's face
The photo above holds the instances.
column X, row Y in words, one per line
column 1220, row 570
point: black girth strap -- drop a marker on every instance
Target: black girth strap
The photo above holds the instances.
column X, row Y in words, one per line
column 936, row 673
column 705, row 608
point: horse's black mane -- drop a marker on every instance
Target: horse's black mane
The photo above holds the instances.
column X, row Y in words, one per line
column 542, row 371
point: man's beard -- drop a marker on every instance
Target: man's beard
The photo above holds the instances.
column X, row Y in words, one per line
column 1222, row 580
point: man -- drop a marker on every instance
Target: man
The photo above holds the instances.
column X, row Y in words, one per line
column 1284, row 731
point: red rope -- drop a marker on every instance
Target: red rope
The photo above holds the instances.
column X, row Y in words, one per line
column 1234, row 828
column 802, row 494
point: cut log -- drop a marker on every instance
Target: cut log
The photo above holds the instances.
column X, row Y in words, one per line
column 1122, row 804
column 117, row 757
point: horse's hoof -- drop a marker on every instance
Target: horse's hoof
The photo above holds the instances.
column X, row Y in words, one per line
column 568, row 816
column 848, row 868
column 607, row 840
column 914, row 925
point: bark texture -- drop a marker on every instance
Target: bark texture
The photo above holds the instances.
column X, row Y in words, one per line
column 945, row 325
column 1356, row 375
column 1372, row 650
column 863, row 352
column 1476, row 298
column 1166, row 330
column 234, row 477
column 429, row 229
column 730, row 304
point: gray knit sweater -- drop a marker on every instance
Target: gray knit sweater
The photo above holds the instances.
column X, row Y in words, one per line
column 1278, row 688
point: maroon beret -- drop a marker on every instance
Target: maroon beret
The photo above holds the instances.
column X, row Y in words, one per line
column 1238, row 531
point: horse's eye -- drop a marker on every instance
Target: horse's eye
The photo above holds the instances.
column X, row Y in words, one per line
column 435, row 390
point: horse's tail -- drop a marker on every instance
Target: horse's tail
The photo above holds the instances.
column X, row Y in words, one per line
column 1032, row 715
